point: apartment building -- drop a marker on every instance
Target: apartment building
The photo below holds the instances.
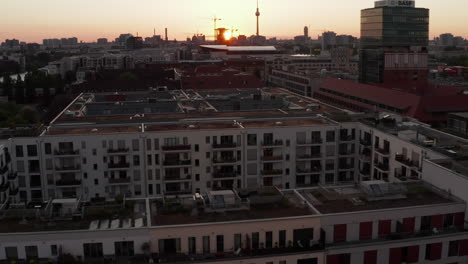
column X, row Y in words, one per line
column 256, row 175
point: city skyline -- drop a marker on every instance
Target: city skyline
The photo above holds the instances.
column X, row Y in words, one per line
column 96, row 20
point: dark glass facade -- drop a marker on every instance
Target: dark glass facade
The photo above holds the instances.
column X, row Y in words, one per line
column 389, row 29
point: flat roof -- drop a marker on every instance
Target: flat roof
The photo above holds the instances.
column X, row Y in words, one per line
column 239, row 48
column 347, row 199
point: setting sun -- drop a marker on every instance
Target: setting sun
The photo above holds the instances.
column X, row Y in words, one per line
column 227, row 34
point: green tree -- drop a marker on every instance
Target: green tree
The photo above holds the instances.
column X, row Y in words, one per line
column 19, row 90
column 30, row 88
column 7, row 86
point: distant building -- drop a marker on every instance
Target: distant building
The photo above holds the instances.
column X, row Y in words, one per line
column 345, row 40
column 133, row 43
column 102, row 41
column 446, row 39
column 306, row 32
column 11, row 43
column 328, row 40
column 122, row 39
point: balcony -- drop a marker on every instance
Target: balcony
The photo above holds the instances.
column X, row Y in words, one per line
column 347, row 138
column 309, row 171
column 177, row 163
column 309, row 157
column 12, row 176
column 383, row 152
column 382, row 166
column 68, row 168
column 228, row 145
column 346, row 152
column 68, row 182
column 222, row 175
column 266, row 253
column 272, row 172
column 365, row 173
column 272, row 158
column 314, row 141
column 346, row 166
column 276, row 143
column 178, row 192
column 181, row 147
column 365, row 142
column 225, row 160
column 407, row 162
column 120, row 165
column 178, row 177
column 66, row 152
column 118, row 150
column 119, row 180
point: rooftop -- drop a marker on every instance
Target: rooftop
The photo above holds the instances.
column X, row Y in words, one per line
column 374, row 196
column 234, row 205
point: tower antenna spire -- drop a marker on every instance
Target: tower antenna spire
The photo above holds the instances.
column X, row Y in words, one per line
column 257, row 14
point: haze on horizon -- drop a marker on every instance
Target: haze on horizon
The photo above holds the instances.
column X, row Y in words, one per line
column 32, row 20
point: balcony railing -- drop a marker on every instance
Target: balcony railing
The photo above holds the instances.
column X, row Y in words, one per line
column 346, row 152
column 225, row 160
column 382, row 166
column 347, row 138
column 225, row 145
column 67, row 182
column 178, row 177
column 346, row 166
column 220, row 174
column 408, row 162
column 384, row 152
column 272, row 172
column 122, row 165
column 67, row 168
column 118, row 150
column 272, row 158
column 365, row 142
column 66, row 152
column 272, row 143
column 309, row 171
column 244, row 253
column 178, row 192
column 311, row 156
column 311, row 142
column 365, row 172
column 176, row 147
column 119, row 180
column 177, row 162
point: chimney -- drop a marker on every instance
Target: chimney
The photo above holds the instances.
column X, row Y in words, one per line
column 166, row 35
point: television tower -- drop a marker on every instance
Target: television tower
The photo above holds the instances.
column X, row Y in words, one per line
column 258, row 17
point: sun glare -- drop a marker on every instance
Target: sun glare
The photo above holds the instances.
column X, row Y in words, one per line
column 227, row 34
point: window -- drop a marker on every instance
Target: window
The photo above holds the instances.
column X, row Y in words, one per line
column 252, row 139
column 197, row 148
column 148, row 144
column 84, row 160
column 192, row 246
column 255, row 240
column 11, row 253
column 32, row 150
column 340, row 233
column 282, row 238
column 94, row 152
column 365, row 231
column 206, row 244
column 95, row 167
column 207, row 139
column 92, row 250
column 330, row 136
column 136, row 160
column 124, row 248
column 434, row 251
column 220, row 243
column 19, row 151
column 31, row 252
column 453, row 249
column 96, row 181
column 135, row 145
column 47, row 148
column 197, row 177
column 269, row 239
column 237, row 241
column 370, row 257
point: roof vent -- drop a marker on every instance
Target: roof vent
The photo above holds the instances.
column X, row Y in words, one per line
column 192, row 126
column 279, row 123
column 94, row 130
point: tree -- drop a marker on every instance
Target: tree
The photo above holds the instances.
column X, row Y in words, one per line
column 30, row 88
column 46, row 96
column 19, row 90
column 7, row 86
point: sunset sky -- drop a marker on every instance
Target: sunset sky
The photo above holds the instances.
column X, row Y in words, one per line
column 33, row 20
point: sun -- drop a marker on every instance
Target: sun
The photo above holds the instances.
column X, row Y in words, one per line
column 227, row 35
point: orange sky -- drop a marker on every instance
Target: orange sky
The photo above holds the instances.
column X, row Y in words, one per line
column 33, row 20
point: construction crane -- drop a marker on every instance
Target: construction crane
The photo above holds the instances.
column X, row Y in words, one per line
column 215, row 20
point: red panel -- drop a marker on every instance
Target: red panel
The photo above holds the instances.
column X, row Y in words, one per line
column 463, row 247
column 408, row 224
column 340, row 233
column 437, row 221
column 370, row 257
column 436, row 251
column 413, row 254
column 459, row 219
column 365, row 231
column 385, row 228
column 395, row 256
column 333, row 259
